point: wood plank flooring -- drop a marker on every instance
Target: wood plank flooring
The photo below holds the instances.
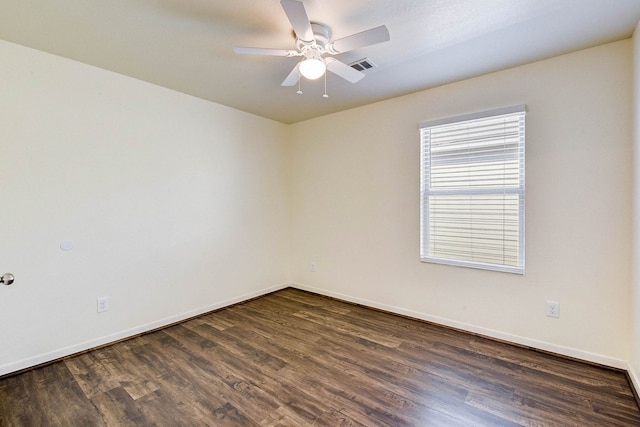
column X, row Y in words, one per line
column 293, row 358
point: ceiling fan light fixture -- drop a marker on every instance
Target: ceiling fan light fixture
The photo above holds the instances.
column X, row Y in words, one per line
column 313, row 39
column 312, row 68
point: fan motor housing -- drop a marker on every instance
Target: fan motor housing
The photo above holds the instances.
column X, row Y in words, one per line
column 321, row 33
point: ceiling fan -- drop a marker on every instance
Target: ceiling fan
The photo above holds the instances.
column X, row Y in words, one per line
column 313, row 43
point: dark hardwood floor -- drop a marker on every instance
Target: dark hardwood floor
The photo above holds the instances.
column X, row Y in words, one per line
column 293, row 358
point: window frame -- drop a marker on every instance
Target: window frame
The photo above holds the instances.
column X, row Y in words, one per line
column 426, row 191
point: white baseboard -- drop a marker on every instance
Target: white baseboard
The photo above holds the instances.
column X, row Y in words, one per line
column 541, row 345
column 528, row 342
column 87, row 345
column 633, row 376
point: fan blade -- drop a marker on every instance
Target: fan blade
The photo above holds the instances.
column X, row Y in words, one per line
column 264, row 51
column 293, row 77
column 343, row 70
column 366, row 38
column 297, row 15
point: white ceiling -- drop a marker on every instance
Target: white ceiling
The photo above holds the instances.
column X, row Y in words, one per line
column 187, row 45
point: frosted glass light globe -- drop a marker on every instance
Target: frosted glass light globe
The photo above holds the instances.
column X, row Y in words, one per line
column 312, row 68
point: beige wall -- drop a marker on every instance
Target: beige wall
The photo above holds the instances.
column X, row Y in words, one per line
column 634, row 360
column 356, row 207
column 175, row 205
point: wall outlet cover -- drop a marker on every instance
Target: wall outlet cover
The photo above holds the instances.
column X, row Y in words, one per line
column 103, row 304
column 553, row 309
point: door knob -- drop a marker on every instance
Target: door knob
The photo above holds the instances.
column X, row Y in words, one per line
column 7, row 279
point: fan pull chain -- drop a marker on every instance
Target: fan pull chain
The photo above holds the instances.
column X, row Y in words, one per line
column 325, row 86
column 299, row 92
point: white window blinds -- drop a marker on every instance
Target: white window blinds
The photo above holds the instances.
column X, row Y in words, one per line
column 472, row 190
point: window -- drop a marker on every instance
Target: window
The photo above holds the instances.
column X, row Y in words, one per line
column 472, row 190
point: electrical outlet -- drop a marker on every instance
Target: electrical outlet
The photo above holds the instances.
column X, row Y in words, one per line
column 314, row 266
column 103, row 304
column 553, row 309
